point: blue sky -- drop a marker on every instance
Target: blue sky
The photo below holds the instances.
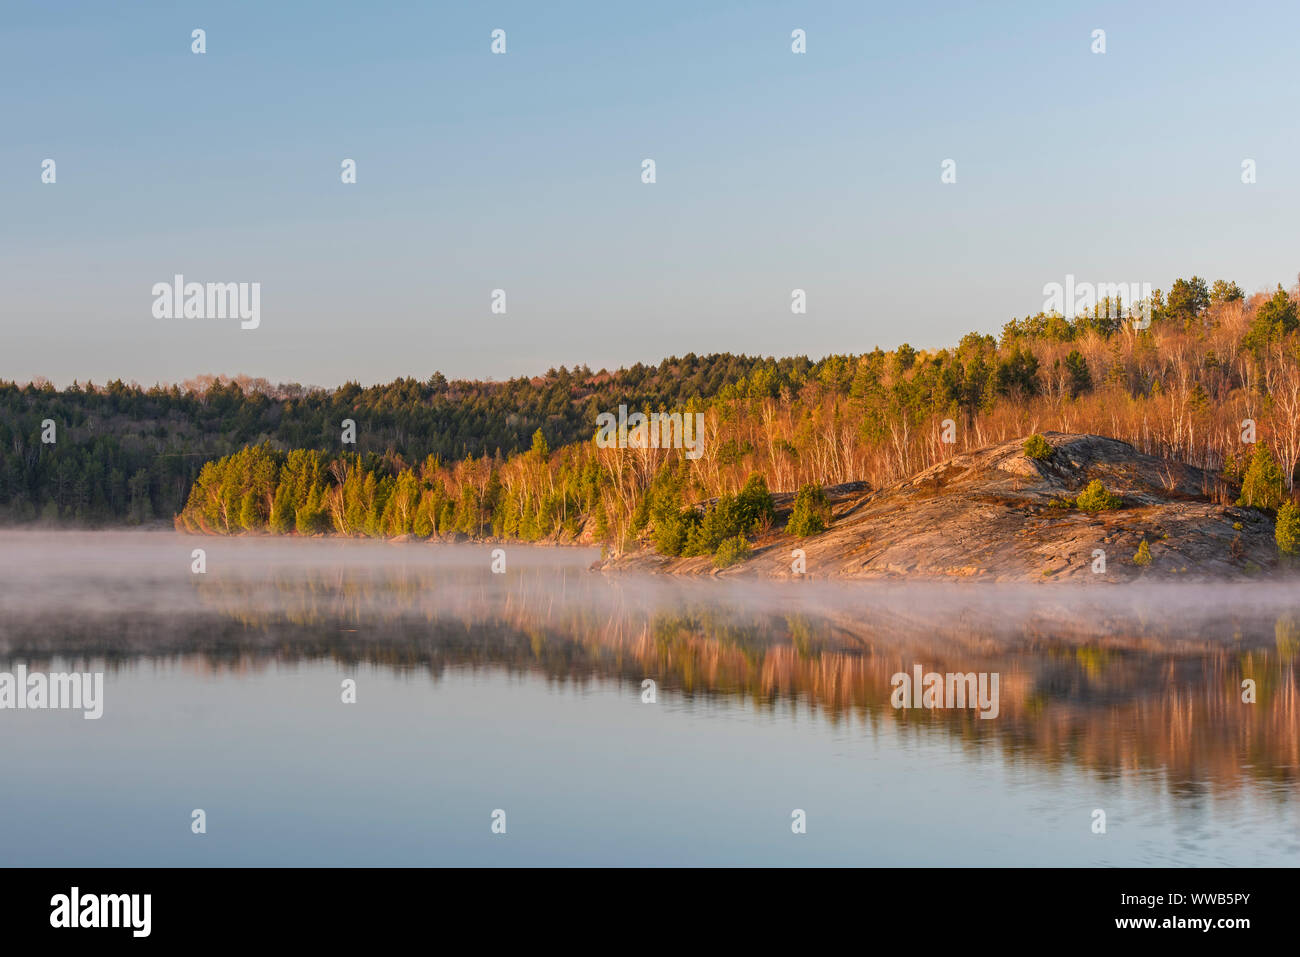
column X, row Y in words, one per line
column 775, row 171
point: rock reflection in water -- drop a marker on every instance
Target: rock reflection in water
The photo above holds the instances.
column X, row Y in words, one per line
column 1103, row 680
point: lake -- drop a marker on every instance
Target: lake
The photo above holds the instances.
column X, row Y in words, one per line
column 526, row 692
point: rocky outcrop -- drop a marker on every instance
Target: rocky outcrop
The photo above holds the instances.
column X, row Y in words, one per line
column 998, row 515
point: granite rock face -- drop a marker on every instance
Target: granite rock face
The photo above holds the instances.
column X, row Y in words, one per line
column 998, row 515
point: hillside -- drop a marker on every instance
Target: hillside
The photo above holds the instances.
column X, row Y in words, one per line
column 997, row 514
column 1215, row 374
column 127, row 454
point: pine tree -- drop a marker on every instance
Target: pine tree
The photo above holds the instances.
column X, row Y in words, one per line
column 281, row 521
column 249, row 520
column 422, row 524
column 540, row 449
column 811, row 512
column 1287, row 532
column 1261, row 485
column 308, row 518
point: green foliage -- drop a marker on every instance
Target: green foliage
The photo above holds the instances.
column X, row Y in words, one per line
column 1231, row 469
column 402, row 506
column 1275, row 318
column 1279, row 313
column 725, row 520
column 1262, row 482
column 755, row 504
column 1038, row 448
column 1143, row 555
column 109, row 435
column 601, row 531
column 671, row 532
column 1225, row 291
column 309, row 517
column 447, row 521
column 1017, row 373
column 1080, row 378
column 663, row 504
column 1096, row 498
column 730, row 551
column 811, row 513
column 249, row 519
column 422, row 523
column 1187, row 298
column 282, row 519
column 687, row 532
column 904, row 357
column 235, row 493
column 131, row 454
column 1287, row 532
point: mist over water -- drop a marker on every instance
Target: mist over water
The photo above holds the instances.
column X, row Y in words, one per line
column 523, row 691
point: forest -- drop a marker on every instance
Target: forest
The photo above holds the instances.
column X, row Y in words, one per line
column 125, row 454
column 1213, row 381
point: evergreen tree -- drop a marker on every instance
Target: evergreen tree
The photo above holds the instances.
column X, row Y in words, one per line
column 249, row 520
column 1287, row 532
column 282, row 518
column 1262, row 483
column 811, row 512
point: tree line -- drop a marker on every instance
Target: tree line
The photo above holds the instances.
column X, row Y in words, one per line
column 124, row 453
column 1214, row 376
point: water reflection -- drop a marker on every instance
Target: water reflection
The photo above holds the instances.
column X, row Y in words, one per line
column 1105, row 681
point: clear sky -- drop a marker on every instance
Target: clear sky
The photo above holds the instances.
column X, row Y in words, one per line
column 522, row 172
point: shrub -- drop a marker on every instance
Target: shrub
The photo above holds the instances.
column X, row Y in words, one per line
column 755, row 502
column 722, row 521
column 672, row 531
column 730, row 551
column 1143, row 555
column 1038, row 448
column 1261, row 484
column 811, row 512
column 1287, row 532
column 1096, row 498
column 688, row 533
column 662, row 508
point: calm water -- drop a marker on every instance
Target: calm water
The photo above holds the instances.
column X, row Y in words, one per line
column 522, row 692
